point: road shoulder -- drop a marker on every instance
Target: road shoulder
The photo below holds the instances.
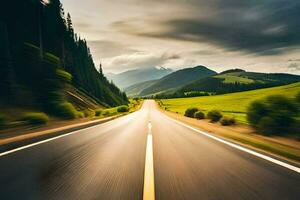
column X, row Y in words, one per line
column 279, row 148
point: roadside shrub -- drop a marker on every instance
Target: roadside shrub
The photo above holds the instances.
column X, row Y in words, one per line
column 214, row 115
column 255, row 112
column 276, row 114
column 98, row 112
column 106, row 113
column 35, row 118
column 3, row 121
column 199, row 115
column 89, row 113
column 227, row 121
column 80, row 115
column 65, row 110
column 122, row 109
column 190, row 112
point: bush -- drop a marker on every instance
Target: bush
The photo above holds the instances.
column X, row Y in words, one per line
column 190, row 112
column 65, row 110
column 80, row 115
column 199, row 115
column 214, row 115
column 255, row 112
column 227, row 121
column 106, row 113
column 274, row 115
column 3, row 121
column 89, row 113
column 98, row 112
column 122, row 109
column 35, row 118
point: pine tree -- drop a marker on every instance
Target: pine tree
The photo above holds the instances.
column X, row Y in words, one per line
column 100, row 69
column 70, row 25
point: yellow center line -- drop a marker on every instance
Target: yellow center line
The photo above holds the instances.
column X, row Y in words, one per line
column 149, row 193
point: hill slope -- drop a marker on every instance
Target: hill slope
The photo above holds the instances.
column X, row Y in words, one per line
column 234, row 104
column 239, row 81
column 177, row 79
column 136, row 89
column 132, row 77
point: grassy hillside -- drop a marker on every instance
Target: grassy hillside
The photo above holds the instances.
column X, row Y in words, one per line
column 136, row 89
column 177, row 79
column 227, row 78
column 234, row 104
column 239, row 80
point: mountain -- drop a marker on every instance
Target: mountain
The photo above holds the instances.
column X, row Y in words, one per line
column 177, row 80
column 39, row 67
column 238, row 80
column 131, row 77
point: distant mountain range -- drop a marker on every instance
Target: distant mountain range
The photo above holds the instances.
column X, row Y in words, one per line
column 177, row 79
column 170, row 82
column 203, row 80
column 132, row 77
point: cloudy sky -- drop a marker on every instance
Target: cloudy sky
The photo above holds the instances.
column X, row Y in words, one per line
column 256, row 35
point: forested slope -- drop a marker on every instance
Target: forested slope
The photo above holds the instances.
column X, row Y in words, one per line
column 40, row 53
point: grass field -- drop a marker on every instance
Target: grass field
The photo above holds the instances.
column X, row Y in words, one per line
column 234, row 79
column 234, row 104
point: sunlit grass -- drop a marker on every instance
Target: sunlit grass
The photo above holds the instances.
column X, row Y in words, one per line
column 233, row 105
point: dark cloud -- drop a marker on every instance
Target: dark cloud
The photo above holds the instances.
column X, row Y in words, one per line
column 265, row 27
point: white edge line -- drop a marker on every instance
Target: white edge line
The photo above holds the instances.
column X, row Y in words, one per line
column 49, row 139
column 283, row 164
column 41, row 142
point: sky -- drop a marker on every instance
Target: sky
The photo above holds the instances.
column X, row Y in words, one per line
column 255, row 35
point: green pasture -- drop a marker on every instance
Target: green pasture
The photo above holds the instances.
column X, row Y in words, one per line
column 234, row 104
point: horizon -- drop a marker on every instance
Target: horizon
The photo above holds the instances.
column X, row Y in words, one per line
column 143, row 37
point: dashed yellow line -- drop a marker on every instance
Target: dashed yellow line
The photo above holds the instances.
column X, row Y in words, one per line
column 149, row 191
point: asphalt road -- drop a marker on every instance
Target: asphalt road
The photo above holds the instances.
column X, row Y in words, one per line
column 107, row 161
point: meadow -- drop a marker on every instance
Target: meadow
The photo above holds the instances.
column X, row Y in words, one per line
column 233, row 105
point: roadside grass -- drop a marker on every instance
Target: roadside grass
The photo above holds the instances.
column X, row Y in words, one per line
column 33, row 118
column 133, row 106
column 231, row 105
column 272, row 147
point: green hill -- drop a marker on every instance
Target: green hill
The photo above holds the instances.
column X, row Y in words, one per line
column 177, row 79
column 239, row 80
column 234, row 104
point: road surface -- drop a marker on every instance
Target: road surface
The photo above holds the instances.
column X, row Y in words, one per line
column 108, row 161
